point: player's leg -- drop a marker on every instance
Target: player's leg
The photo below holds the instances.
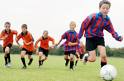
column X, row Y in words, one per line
column 5, row 57
column 90, row 47
column 40, row 58
column 72, row 53
column 30, row 58
column 23, row 52
column 103, row 56
column 66, row 57
column 77, row 58
column 7, row 52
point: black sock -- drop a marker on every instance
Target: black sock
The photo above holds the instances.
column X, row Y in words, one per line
column 40, row 62
column 103, row 63
column 76, row 62
column 23, row 61
column 9, row 59
column 71, row 64
column 30, row 61
column 5, row 58
column 66, row 63
column 81, row 56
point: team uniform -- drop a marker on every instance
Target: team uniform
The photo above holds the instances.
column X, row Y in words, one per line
column 93, row 27
column 7, row 42
column 27, row 37
column 44, row 46
column 70, row 36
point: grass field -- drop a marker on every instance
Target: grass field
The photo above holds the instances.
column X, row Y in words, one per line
column 54, row 70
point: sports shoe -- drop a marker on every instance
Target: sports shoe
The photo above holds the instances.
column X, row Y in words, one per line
column 85, row 58
column 24, row 67
column 9, row 65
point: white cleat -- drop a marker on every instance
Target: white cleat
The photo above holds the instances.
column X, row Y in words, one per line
column 85, row 58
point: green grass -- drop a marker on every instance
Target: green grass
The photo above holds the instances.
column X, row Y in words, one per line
column 54, row 70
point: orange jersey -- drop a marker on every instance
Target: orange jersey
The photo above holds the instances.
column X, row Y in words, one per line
column 8, row 37
column 44, row 42
column 27, row 38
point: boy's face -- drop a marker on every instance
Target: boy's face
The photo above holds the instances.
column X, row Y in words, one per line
column 45, row 34
column 24, row 30
column 7, row 27
column 72, row 25
column 104, row 9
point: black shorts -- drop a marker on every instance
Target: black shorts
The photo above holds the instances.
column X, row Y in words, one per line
column 27, row 52
column 92, row 43
column 45, row 52
column 70, row 52
column 9, row 45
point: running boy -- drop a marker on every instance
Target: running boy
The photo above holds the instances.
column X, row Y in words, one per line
column 7, row 37
column 70, row 44
column 44, row 47
column 27, row 47
column 93, row 26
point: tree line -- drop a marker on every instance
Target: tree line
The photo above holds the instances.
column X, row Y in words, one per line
column 111, row 52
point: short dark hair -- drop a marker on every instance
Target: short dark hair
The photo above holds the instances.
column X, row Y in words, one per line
column 7, row 23
column 104, row 2
column 24, row 26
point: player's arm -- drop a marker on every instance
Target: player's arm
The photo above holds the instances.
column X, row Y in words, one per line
column 111, row 30
column 17, row 39
column 3, row 36
column 59, row 42
column 84, row 25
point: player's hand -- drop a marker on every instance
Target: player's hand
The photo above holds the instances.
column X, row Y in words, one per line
column 70, row 43
column 120, row 38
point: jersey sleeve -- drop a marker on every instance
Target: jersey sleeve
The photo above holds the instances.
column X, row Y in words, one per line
column 52, row 39
column 111, row 30
column 84, row 25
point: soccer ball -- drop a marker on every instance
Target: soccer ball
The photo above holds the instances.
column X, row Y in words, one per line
column 108, row 72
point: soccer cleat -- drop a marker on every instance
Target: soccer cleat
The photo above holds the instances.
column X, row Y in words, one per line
column 9, row 65
column 24, row 67
column 85, row 58
column 71, row 69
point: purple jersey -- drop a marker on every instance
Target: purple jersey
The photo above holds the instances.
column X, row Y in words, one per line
column 70, row 36
column 94, row 25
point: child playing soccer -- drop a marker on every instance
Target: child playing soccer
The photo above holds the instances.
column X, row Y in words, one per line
column 7, row 37
column 44, row 47
column 70, row 44
column 93, row 27
column 27, row 47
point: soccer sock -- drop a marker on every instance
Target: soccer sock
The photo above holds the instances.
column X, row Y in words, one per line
column 42, row 60
column 23, row 61
column 39, row 62
column 5, row 60
column 71, row 64
column 103, row 63
column 81, row 56
column 76, row 62
column 9, row 59
column 30, row 61
column 66, row 63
